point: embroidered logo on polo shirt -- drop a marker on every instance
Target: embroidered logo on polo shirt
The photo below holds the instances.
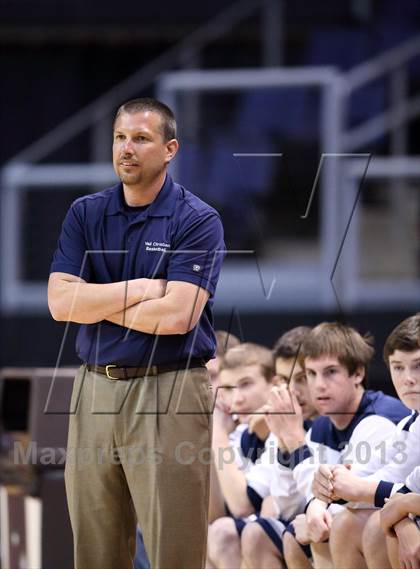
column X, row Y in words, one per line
column 196, row 268
column 157, row 246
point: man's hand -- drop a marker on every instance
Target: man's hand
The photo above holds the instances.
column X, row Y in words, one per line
column 72, row 299
column 300, row 524
column 408, row 544
column 284, row 417
column 151, row 288
column 395, row 509
column 223, row 423
column 350, row 487
column 319, row 521
column 178, row 311
column 322, row 485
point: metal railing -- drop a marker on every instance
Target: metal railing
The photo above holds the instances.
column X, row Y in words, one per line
column 338, row 143
column 181, row 54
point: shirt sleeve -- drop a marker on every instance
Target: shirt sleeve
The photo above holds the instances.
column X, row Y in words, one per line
column 304, row 461
column 399, row 468
column 413, row 480
column 383, row 454
column 387, row 489
column 259, row 479
column 371, row 434
column 198, row 253
column 71, row 254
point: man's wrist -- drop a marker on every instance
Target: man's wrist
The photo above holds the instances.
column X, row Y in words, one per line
column 220, row 438
column 293, row 440
column 315, row 504
column 143, row 283
column 404, row 504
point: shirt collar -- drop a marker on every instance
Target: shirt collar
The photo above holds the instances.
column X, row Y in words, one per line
column 163, row 205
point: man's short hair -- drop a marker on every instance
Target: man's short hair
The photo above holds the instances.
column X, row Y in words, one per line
column 289, row 343
column 144, row 104
column 224, row 342
column 248, row 354
column 340, row 341
column 405, row 337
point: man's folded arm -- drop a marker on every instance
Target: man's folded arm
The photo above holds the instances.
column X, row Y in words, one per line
column 177, row 312
column 72, row 299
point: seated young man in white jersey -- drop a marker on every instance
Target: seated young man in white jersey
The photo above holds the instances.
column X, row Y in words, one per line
column 224, row 342
column 261, row 540
column 335, row 358
column 246, row 377
column 385, row 469
column 400, row 522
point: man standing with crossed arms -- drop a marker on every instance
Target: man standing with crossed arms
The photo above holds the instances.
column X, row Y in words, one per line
column 137, row 266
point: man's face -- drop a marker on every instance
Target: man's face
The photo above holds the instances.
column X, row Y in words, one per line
column 405, row 373
column 288, row 370
column 244, row 390
column 332, row 390
column 139, row 152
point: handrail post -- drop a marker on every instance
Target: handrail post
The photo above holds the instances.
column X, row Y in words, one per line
column 272, row 33
column 100, row 142
column 189, row 108
column 399, row 147
column 331, row 120
column 398, row 93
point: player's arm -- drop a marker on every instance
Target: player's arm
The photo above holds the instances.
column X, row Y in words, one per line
column 409, row 544
column 318, row 520
column 372, row 489
column 397, row 508
column 177, row 312
column 216, row 500
column 72, row 299
column 233, row 483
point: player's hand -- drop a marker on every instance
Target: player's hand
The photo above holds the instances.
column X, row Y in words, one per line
column 319, row 521
column 347, row 486
column 394, row 511
column 151, row 289
column 257, row 424
column 284, row 417
column 322, row 484
column 409, row 544
column 301, row 529
column 223, row 422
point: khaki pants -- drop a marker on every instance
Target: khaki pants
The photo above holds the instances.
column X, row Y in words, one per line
column 139, row 450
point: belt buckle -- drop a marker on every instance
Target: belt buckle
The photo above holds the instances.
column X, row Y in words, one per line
column 107, row 371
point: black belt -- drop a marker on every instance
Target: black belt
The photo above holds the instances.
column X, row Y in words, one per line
column 121, row 372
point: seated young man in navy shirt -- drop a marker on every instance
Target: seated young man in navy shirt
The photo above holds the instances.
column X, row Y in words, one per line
column 137, row 266
column 335, row 359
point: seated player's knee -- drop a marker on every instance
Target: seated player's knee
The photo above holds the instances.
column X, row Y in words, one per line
column 222, row 534
column 348, row 526
column 291, row 547
column 373, row 536
column 253, row 539
column 343, row 525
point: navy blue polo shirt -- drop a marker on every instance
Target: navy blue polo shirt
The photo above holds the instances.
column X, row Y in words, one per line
column 178, row 238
